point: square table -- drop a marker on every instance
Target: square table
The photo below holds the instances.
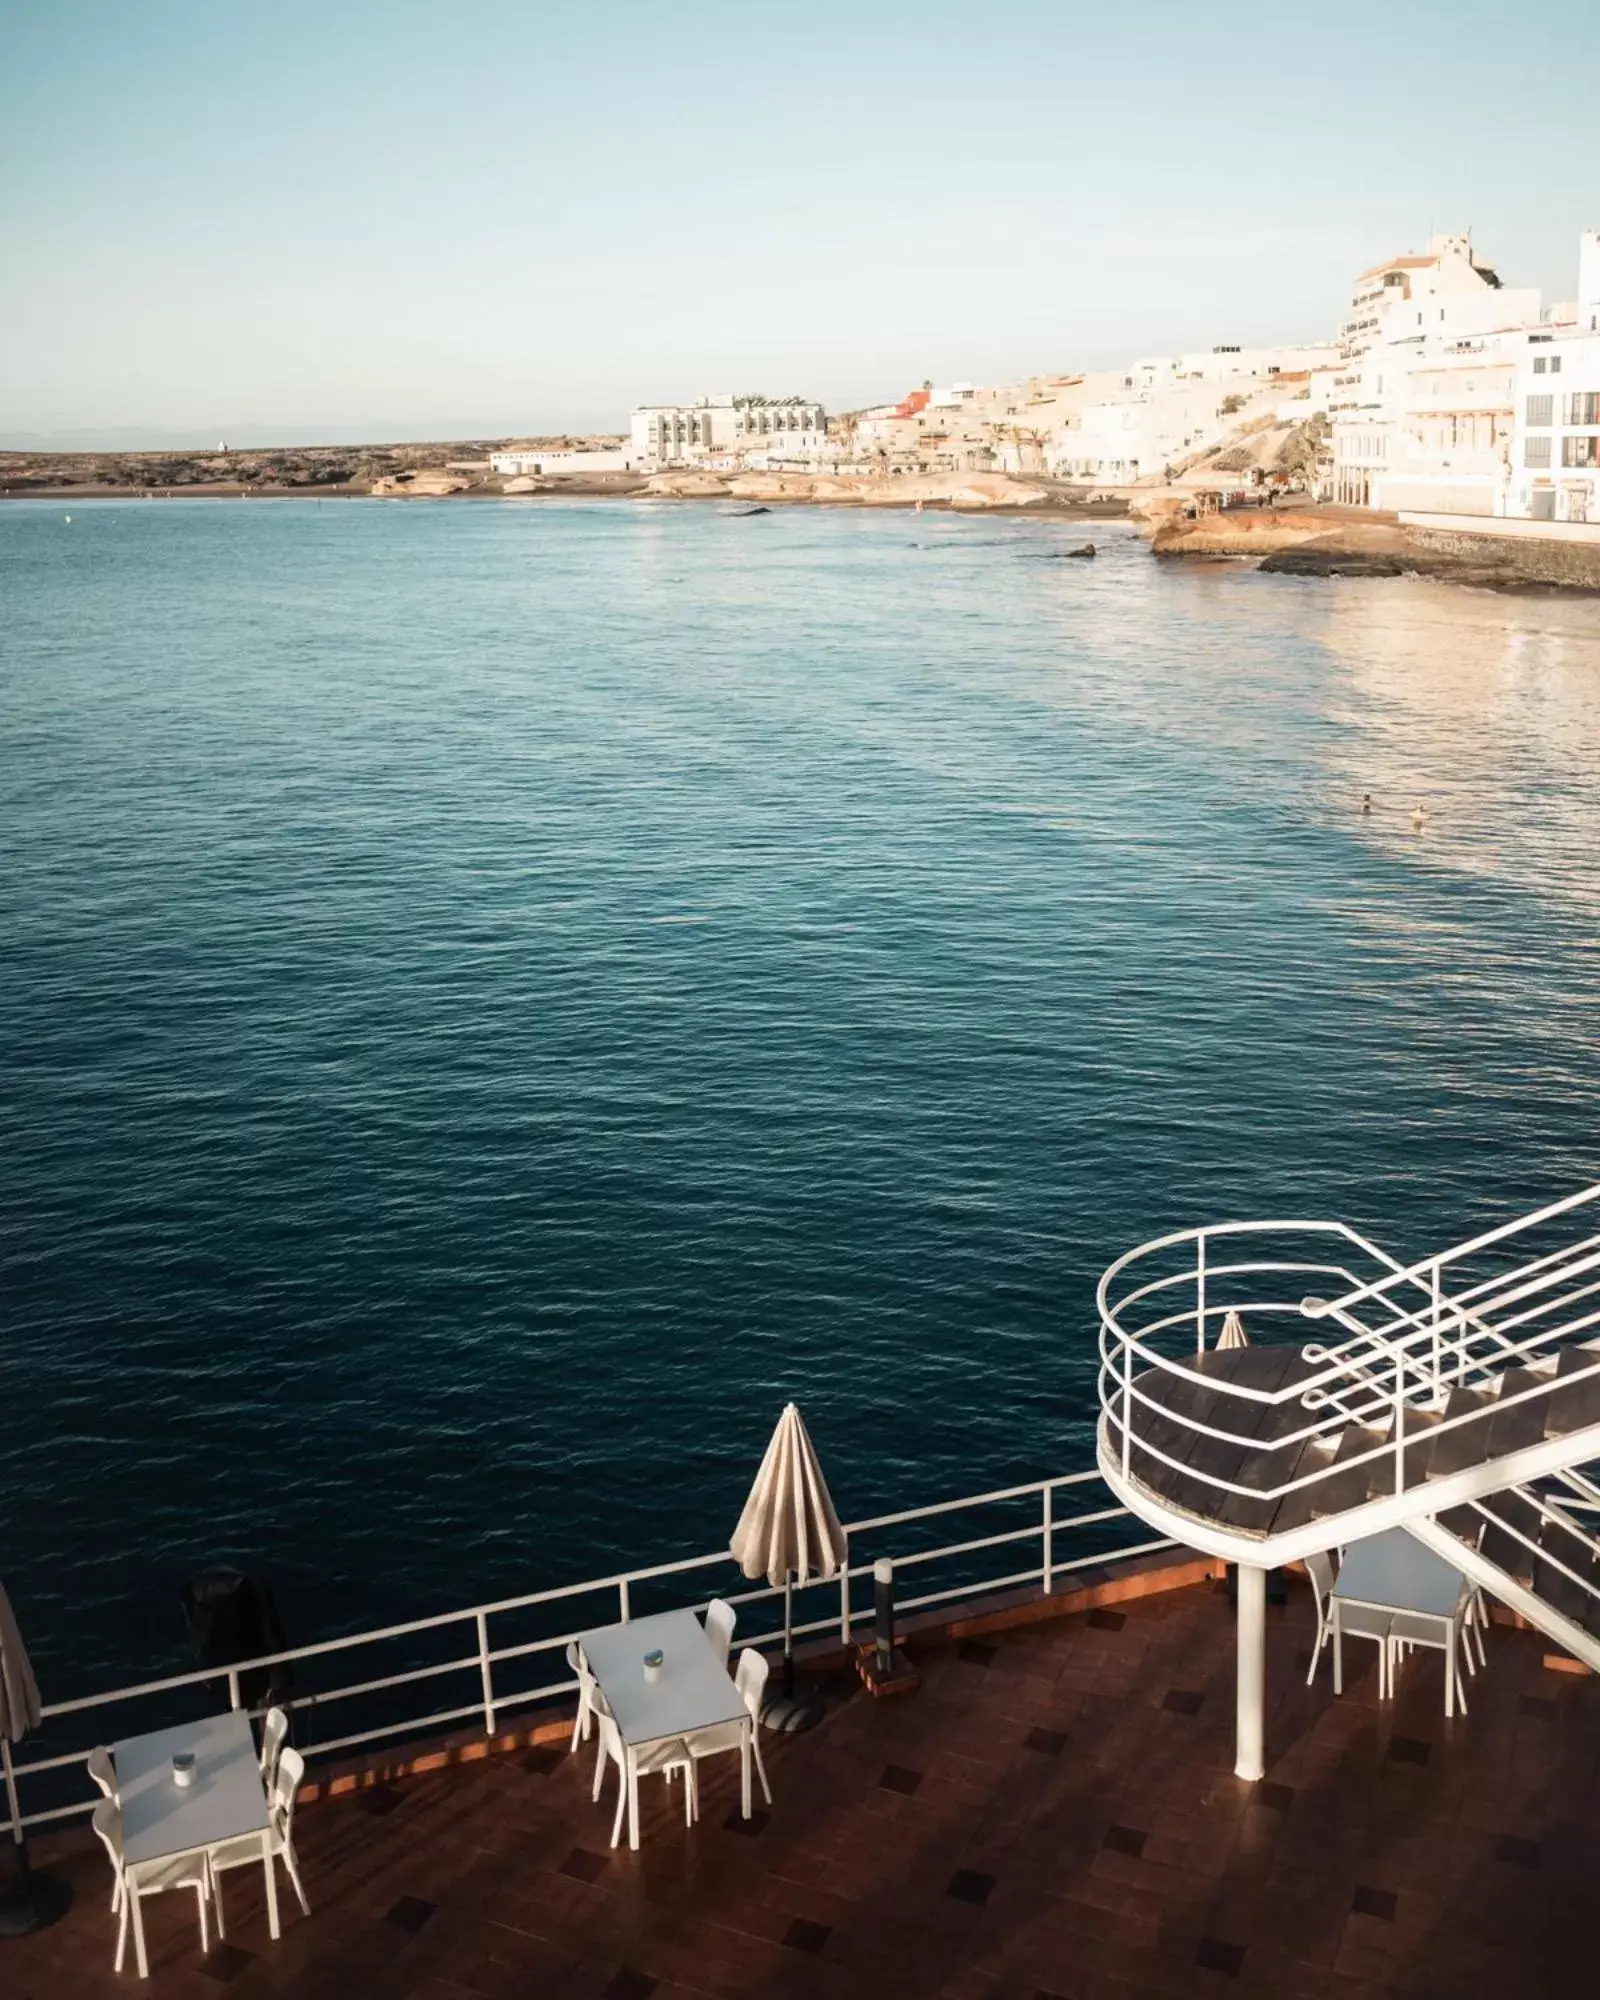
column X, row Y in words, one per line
column 227, row 1799
column 693, row 1691
column 1395, row 1572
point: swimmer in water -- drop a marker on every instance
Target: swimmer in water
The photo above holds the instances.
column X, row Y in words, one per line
column 1366, row 802
column 1419, row 819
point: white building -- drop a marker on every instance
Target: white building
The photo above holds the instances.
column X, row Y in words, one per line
column 1446, row 294
column 560, row 461
column 726, row 429
column 1555, row 446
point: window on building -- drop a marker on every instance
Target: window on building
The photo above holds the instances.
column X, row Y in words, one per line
column 1540, row 363
column 1583, row 407
column 1555, row 364
column 1536, row 453
column 1541, row 411
column 1580, row 451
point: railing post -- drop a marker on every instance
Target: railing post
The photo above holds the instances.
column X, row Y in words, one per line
column 233, row 1687
column 1127, row 1407
column 622, row 1595
column 844, row 1602
column 1438, row 1384
column 1200, row 1293
column 1049, row 1542
column 488, row 1674
column 1399, row 1421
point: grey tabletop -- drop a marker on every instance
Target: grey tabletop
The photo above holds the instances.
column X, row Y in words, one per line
column 694, row 1690
column 226, row 1799
column 1395, row 1570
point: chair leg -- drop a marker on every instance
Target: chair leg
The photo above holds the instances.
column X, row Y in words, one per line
column 761, row 1769
column 1338, row 1660
column 599, row 1774
column 622, row 1807
column 140, row 1956
column 205, row 1934
column 122, row 1937
column 292, row 1865
column 1316, row 1650
column 222, row 1921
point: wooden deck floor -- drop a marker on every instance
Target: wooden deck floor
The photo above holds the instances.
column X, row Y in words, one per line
column 1052, row 1814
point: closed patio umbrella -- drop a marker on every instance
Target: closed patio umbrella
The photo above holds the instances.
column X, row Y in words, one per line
column 789, row 1529
column 1232, row 1334
column 29, row 1901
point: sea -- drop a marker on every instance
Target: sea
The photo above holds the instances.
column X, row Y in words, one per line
column 498, row 998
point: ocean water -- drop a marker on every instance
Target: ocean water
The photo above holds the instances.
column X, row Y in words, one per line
column 495, row 999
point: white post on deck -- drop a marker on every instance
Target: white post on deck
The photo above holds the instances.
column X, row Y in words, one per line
column 1250, row 1726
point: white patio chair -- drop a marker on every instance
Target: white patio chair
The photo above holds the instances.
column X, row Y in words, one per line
column 245, row 1852
column 586, row 1694
column 148, row 1878
column 667, row 1756
column 750, row 1678
column 1361, row 1621
column 720, row 1621
column 100, row 1767
column 1410, row 1629
column 1319, row 1568
column 274, row 1734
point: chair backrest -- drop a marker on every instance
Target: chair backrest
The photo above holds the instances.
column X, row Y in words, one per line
column 108, row 1824
column 610, row 1735
column 274, row 1734
column 720, row 1621
column 1319, row 1567
column 750, row 1678
column 286, row 1786
column 103, row 1771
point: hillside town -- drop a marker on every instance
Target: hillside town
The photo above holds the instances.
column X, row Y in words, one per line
column 1445, row 391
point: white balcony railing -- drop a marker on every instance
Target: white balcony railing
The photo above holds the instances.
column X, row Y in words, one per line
column 976, row 1560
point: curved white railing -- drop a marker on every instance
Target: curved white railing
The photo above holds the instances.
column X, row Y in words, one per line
column 1413, row 1334
column 493, row 1699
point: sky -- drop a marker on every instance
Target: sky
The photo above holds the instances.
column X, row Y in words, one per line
column 382, row 219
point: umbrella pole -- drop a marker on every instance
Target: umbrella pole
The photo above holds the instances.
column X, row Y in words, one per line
column 788, row 1634
column 11, row 1791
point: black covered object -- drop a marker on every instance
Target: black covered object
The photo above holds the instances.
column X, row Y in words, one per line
column 233, row 1616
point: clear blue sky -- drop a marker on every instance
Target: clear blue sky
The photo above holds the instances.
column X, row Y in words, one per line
column 381, row 217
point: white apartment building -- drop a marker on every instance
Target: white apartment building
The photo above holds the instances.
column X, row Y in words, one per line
column 719, row 428
column 560, row 461
column 1445, row 293
column 1555, row 446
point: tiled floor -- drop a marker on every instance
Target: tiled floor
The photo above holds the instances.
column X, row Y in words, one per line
column 1051, row 1814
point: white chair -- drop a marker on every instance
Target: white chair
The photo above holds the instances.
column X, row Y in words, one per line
column 100, row 1767
column 667, row 1756
column 246, row 1852
column 1319, row 1568
column 148, row 1878
column 750, row 1678
column 720, row 1621
column 586, row 1693
column 1361, row 1621
column 1445, row 1635
column 274, row 1734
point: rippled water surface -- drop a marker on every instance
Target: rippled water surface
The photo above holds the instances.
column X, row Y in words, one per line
column 495, row 998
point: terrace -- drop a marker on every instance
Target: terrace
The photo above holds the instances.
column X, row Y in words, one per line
column 1052, row 1813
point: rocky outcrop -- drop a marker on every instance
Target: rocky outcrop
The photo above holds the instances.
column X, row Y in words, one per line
column 419, row 486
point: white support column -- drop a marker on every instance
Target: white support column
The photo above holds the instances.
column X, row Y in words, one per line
column 1250, row 1727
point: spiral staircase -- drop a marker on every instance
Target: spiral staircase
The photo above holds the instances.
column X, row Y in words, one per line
column 1457, row 1398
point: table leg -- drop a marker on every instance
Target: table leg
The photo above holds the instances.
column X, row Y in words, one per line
column 633, row 1800
column 272, row 1884
column 745, row 1737
column 139, row 1957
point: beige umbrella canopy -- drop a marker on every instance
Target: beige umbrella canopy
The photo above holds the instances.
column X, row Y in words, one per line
column 788, row 1528
column 1233, row 1333
column 19, row 1703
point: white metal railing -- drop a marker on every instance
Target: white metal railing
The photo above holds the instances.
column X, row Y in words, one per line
column 1160, row 1302
column 493, row 1698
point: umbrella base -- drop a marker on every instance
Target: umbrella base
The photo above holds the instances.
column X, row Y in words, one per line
column 30, row 1902
column 789, row 1714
